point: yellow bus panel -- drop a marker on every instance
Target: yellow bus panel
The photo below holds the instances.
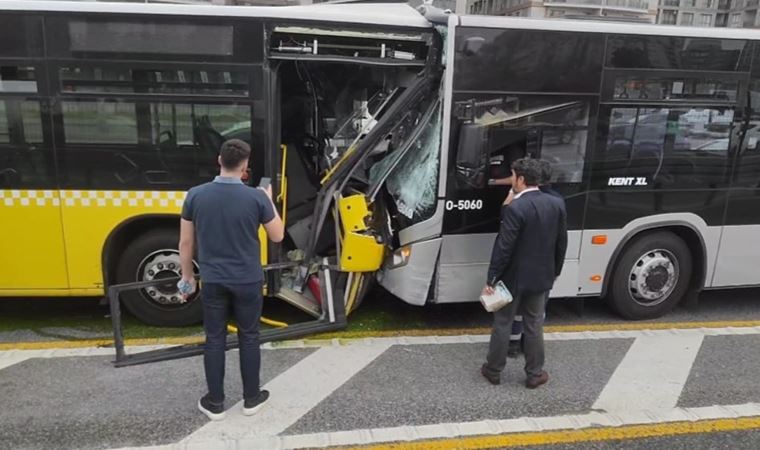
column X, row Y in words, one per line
column 31, row 242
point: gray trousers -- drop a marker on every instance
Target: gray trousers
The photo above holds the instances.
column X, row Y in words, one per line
column 532, row 307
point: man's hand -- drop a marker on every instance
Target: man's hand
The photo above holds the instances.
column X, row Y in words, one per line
column 186, row 250
column 186, row 293
column 510, row 197
column 488, row 290
column 268, row 191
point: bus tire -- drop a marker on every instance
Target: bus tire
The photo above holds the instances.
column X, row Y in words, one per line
column 651, row 276
column 150, row 256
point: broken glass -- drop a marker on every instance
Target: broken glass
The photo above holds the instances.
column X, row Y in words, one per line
column 413, row 182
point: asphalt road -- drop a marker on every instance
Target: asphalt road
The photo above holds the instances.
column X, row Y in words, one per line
column 378, row 391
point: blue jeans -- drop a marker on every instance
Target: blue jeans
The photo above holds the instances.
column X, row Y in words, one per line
column 246, row 302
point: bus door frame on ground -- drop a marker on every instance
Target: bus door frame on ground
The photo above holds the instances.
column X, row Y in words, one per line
column 332, row 318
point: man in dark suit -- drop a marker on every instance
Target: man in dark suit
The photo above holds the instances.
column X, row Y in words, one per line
column 515, row 338
column 527, row 256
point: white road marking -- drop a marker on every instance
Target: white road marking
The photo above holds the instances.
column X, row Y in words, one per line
column 11, row 360
column 294, row 393
column 652, row 374
column 412, row 340
column 556, row 336
column 11, row 357
column 464, row 429
column 299, row 389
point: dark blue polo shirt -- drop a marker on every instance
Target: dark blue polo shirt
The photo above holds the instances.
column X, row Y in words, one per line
column 226, row 215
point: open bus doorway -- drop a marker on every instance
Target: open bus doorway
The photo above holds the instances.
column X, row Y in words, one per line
column 326, row 111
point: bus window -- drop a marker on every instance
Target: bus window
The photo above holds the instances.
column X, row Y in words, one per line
column 528, row 61
column 20, row 36
column 14, row 79
column 681, row 88
column 563, row 142
column 677, row 53
column 116, row 143
column 23, row 163
column 120, row 80
column 157, row 38
column 553, row 129
column 748, row 169
column 683, row 147
column 154, row 38
column 100, row 122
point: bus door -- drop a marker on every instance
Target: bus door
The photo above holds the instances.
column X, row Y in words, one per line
column 31, row 237
column 490, row 132
column 738, row 257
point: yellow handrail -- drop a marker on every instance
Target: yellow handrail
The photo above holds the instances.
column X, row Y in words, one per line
column 264, row 320
column 283, row 197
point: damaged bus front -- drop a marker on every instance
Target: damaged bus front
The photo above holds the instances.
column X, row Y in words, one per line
column 359, row 137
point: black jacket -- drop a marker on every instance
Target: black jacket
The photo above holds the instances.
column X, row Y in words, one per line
column 530, row 249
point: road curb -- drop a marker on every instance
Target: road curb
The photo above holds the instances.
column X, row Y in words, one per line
column 352, row 335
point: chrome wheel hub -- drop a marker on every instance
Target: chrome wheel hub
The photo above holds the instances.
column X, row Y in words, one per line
column 159, row 265
column 653, row 277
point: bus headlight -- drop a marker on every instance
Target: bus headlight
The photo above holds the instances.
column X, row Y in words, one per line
column 401, row 256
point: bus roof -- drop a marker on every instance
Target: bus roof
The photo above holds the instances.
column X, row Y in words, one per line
column 390, row 14
column 384, row 14
column 607, row 27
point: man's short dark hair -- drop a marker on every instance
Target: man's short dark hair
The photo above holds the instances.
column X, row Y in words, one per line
column 546, row 172
column 528, row 168
column 233, row 153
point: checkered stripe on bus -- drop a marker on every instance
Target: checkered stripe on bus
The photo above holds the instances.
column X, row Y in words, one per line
column 77, row 198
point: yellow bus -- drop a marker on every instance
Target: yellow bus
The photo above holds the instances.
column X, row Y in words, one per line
column 110, row 112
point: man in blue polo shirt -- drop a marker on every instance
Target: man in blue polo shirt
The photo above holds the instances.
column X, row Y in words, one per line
column 223, row 217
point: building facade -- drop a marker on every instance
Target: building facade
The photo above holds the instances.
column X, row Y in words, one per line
column 709, row 13
column 625, row 10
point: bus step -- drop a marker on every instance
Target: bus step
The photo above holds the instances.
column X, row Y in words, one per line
column 300, row 301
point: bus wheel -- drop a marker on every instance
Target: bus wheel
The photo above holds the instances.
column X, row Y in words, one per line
column 651, row 276
column 153, row 256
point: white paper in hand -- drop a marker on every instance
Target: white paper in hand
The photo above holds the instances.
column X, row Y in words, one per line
column 500, row 298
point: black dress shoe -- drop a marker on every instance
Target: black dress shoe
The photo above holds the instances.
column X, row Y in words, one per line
column 214, row 411
column 252, row 405
column 534, row 382
column 491, row 378
column 513, row 350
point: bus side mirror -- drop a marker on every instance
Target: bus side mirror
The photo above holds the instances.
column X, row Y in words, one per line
column 472, row 157
column 472, row 45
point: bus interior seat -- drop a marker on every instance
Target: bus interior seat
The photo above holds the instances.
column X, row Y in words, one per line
column 167, row 148
column 206, row 136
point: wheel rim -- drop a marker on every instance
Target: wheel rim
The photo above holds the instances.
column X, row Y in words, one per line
column 653, row 277
column 164, row 263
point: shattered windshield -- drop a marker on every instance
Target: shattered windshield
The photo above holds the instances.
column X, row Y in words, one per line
column 413, row 182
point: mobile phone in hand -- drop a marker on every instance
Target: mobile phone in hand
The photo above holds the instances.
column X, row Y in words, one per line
column 265, row 182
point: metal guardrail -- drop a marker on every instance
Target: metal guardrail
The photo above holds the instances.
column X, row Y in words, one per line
column 333, row 318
